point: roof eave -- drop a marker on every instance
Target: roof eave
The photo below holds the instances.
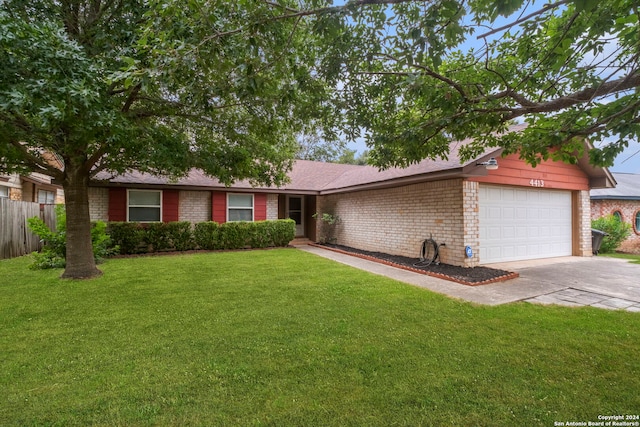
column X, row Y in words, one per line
column 615, row 197
column 599, row 176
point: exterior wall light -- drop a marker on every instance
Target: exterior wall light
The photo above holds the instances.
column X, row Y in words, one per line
column 491, row 164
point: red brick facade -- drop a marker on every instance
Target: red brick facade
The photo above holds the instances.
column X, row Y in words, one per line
column 629, row 210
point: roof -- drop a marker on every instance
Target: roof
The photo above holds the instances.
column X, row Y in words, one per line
column 628, row 188
column 313, row 177
column 310, row 177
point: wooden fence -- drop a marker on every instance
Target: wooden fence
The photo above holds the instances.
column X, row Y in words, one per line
column 15, row 237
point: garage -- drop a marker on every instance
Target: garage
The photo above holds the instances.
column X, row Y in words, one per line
column 519, row 223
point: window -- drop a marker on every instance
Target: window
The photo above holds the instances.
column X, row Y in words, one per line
column 637, row 222
column 240, row 207
column 618, row 215
column 46, row 197
column 144, row 206
column 4, row 191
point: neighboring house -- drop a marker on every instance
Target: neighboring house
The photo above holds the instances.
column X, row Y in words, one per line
column 623, row 202
column 32, row 188
column 513, row 213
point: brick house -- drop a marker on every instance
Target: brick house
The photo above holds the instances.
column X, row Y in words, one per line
column 622, row 201
column 515, row 212
column 34, row 187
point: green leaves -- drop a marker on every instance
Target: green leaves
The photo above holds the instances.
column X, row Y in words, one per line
column 569, row 70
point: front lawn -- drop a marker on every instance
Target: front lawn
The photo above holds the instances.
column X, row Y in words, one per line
column 633, row 258
column 282, row 337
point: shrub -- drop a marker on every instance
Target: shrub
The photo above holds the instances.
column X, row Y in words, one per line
column 258, row 234
column 234, row 235
column 129, row 236
column 157, row 237
column 328, row 228
column 283, row 231
column 54, row 252
column 180, row 235
column 137, row 238
column 207, row 235
column 101, row 241
column 617, row 232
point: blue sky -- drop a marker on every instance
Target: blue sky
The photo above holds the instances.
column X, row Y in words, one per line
column 629, row 160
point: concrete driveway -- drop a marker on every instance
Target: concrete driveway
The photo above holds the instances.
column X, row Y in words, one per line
column 601, row 282
column 575, row 281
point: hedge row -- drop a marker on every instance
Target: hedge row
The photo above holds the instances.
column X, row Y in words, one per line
column 135, row 238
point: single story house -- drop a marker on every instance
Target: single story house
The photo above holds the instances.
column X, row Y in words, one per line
column 622, row 201
column 514, row 212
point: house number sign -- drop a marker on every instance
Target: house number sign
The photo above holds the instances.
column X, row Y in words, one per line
column 536, row 182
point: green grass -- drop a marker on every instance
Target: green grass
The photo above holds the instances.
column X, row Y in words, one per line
column 634, row 259
column 282, row 337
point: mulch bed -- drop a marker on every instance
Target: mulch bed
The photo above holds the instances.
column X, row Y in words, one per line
column 471, row 276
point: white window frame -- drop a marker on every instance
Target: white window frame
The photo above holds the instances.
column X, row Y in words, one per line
column 253, row 205
column 4, row 192
column 48, row 193
column 144, row 206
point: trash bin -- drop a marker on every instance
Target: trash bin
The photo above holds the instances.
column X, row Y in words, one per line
column 596, row 240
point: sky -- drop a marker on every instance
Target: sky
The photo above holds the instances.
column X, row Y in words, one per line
column 629, row 160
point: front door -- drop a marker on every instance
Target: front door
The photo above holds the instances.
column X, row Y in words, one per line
column 295, row 211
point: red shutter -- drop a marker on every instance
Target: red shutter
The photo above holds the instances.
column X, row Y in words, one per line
column 117, row 204
column 170, row 205
column 219, row 206
column 260, row 207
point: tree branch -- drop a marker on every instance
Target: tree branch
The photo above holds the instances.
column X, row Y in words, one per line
column 624, row 83
column 429, row 72
column 36, row 163
column 132, row 97
column 524, row 18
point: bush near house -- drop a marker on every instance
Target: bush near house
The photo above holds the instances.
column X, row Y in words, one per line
column 53, row 255
column 133, row 238
column 617, row 232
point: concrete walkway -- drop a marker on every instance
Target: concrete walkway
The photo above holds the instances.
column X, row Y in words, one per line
column 571, row 281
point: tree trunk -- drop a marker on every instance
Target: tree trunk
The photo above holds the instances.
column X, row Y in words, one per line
column 80, row 261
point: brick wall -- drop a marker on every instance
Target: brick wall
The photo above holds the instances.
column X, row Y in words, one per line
column 397, row 220
column 15, row 193
column 195, row 206
column 628, row 209
column 60, row 196
column 471, row 223
column 272, row 206
column 583, row 215
column 99, row 204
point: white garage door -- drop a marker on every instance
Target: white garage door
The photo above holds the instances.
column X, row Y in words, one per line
column 523, row 223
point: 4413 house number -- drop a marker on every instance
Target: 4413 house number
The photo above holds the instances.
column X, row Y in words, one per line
column 536, row 182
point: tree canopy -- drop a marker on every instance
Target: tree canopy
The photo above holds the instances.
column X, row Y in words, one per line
column 162, row 86
column 433, row 72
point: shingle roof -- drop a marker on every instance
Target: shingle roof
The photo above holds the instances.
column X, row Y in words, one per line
column 323, row 178
column 309, row 176
column 627, row 188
